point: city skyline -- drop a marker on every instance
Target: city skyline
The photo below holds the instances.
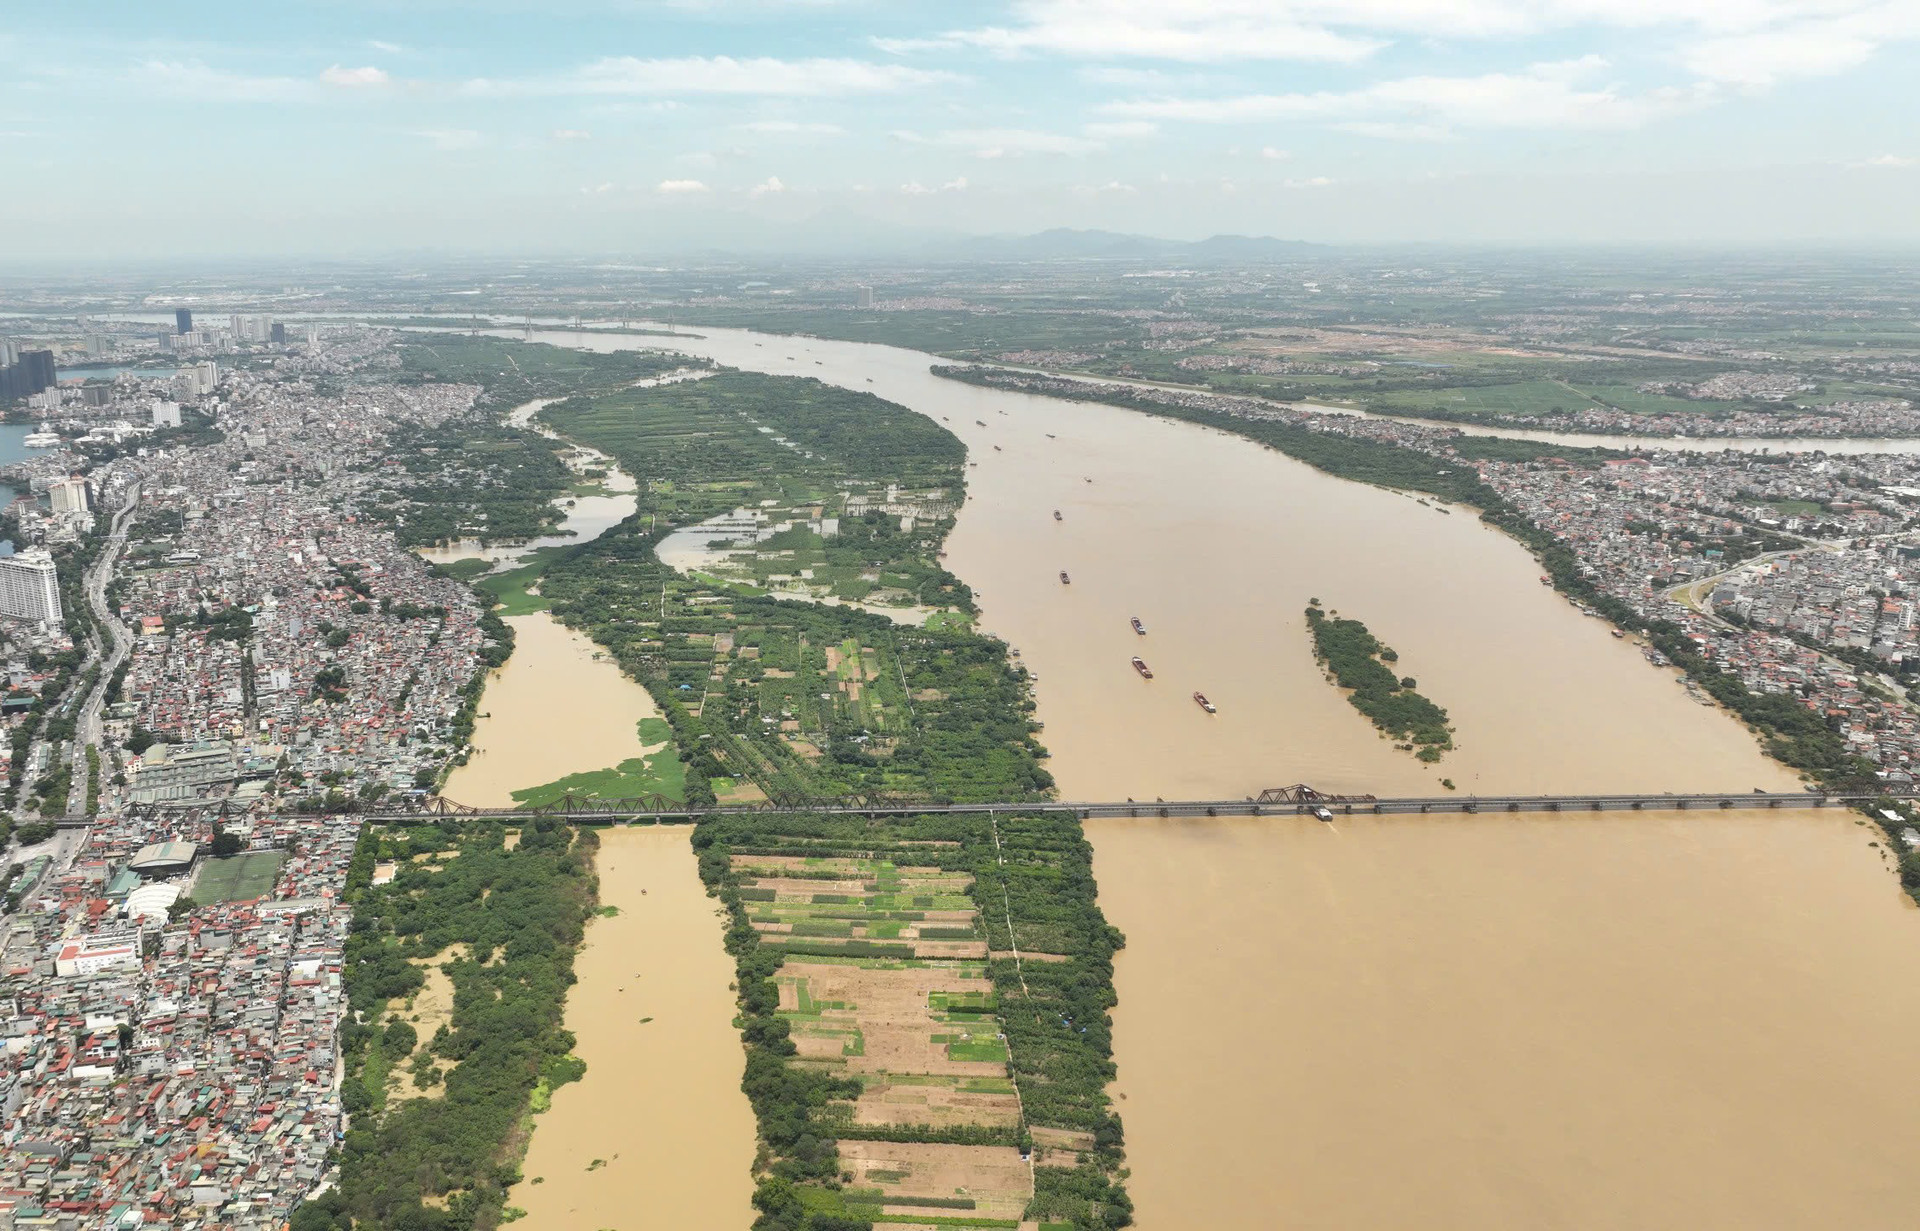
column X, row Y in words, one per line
column 859, row 128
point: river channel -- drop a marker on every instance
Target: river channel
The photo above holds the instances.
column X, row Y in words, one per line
column 659, row 1125
column 1588, row 1022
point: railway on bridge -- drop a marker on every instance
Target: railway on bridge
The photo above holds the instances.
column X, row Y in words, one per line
column 1297, row 800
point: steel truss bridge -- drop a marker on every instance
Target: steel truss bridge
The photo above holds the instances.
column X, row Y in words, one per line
column 1296, row 800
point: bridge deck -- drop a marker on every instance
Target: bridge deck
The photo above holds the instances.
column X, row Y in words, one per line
column 613, row 810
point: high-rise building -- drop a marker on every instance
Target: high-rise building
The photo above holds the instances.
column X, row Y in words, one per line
column 166, row 414
column 277, row 334
column 30, row 587
column 8, row 352
column 183, row 320
column 68, row 495
column 29, row 373
column 866, row 297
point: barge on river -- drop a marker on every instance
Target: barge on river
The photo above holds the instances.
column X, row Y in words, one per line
column 1064, row 579
column 1145, row 671
column 1200, row 699
column 1138, row 627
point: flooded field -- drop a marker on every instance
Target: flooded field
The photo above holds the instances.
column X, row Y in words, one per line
column 1461, row 1022
column 658, row 1133
column 556, row 708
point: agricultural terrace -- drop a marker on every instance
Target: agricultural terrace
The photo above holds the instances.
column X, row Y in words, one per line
column 907, row 1068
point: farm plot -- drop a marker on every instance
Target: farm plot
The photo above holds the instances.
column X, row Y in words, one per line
column 886, row 983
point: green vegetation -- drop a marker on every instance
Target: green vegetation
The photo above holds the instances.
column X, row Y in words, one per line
column 513, row 920
column 659, row 773
column 782, row 699
column 1359, row 663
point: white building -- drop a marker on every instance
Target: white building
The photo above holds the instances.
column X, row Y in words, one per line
column 84, row 955
column 166, row 414
column 30, row 587
column 68, row 496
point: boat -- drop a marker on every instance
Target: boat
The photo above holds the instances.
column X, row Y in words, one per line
column 1138, row 627
column 1618, row 634
column 996, row 448
column 1200, row 699
column 1545, row 580
column 1051, row 436
column 1064, row 579
column 1056, row 515
column 979, row 422
column 1145, row 671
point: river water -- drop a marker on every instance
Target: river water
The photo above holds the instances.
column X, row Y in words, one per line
column 1489, row 1021
column 660, row 1106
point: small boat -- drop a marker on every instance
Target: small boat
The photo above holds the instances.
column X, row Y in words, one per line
column 997, row 449
column 1138, row 627
column 1145, row 671
column 1056, row 515
column 1545, row 580
column 1051, row 436
column 1200, row 699
column 979, row 422
column 1618, row 634
column 1064, row 579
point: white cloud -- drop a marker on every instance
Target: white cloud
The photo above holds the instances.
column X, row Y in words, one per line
column 1887, row 160
column 596, row 189
column 1120, row 130
column 1545, row 96
column 1317, row 181
column 392, row 49
column 680, row 188
column 450, row 138
column 914, row 188
column 354, row 78
column 1805, row 49
column 192, row 79
column 1003, row 142
column 1110, row 187
column 572, row 134
column 1273, row 154
column 1152, row 29
column 794, row 127
column 762, row 75
column 771, row 184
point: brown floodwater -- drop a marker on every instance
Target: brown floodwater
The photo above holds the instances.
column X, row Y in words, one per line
column 1490, row 1021
column 661, row 1106
column 557, row 707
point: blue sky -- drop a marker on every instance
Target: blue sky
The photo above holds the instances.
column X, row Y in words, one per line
column 160, row 129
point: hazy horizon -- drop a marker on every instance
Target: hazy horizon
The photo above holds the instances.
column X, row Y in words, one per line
column 842, row 125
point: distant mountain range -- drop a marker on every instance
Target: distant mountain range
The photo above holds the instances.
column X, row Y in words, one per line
column 1063, row 243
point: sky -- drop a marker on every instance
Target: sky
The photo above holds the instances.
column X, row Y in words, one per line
column 353, row 127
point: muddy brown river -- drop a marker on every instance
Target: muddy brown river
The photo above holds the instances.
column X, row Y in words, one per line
column 1491, row 1021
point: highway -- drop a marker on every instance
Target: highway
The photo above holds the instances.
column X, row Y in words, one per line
column 87, row 730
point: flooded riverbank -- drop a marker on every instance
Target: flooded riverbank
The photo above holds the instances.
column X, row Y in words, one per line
column 557, row 707
column 658, row 1133
column 1488, row 1021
